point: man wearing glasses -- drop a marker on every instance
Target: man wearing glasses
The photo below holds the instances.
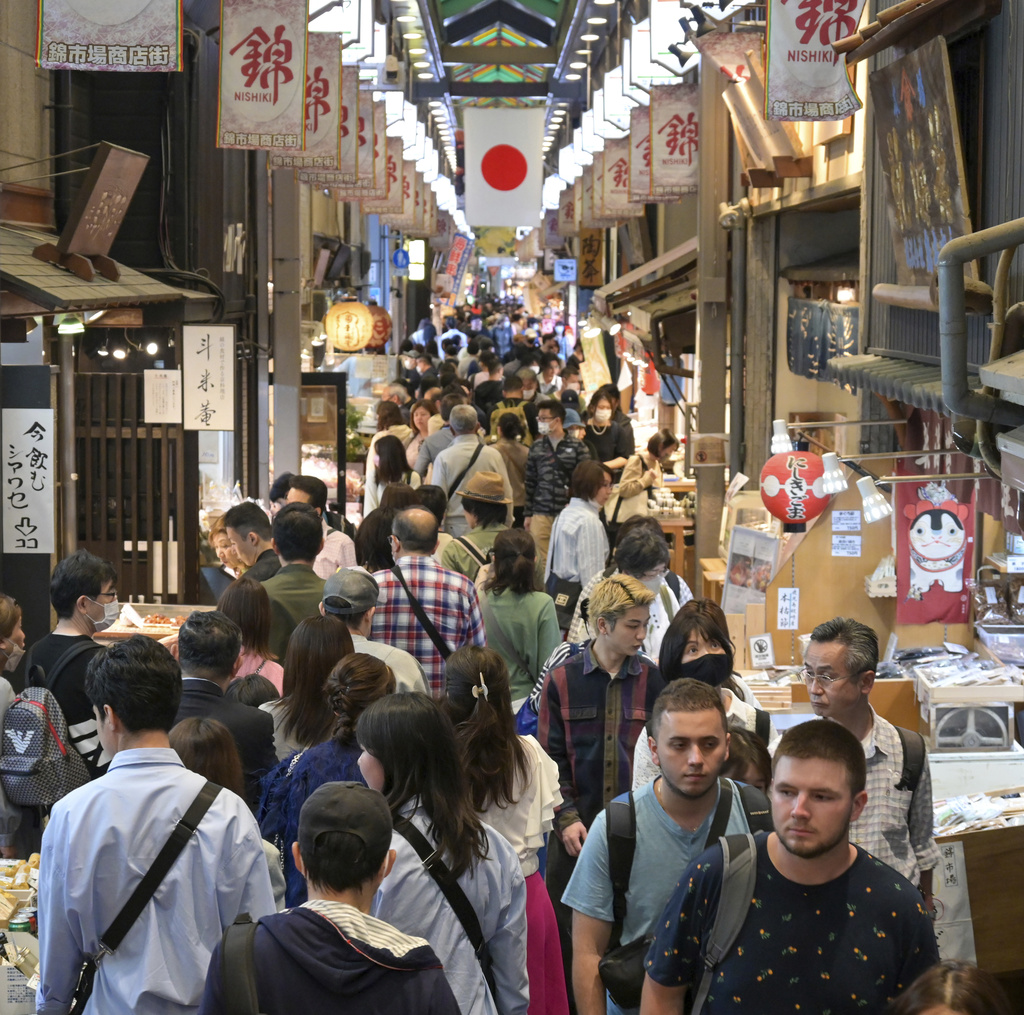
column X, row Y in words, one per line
column 84, row 597
column 896, row 824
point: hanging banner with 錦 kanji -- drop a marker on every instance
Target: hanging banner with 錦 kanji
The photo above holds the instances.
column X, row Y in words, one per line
column 617, row 204
column 118, row 35
column 262, row 74
column 674, row 125
column 323, row 98
column 567, row 212
column 640, row 154
column 375, row 189
column 392, row 202
column 806, row 79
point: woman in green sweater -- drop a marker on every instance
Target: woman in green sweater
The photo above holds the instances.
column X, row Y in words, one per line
column 520, row 620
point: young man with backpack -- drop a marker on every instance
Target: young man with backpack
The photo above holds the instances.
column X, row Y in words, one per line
column 512, row 401
column 630, row 862
column 84, row 596
column 896, row 825
column 800, row 918
column 330, row 954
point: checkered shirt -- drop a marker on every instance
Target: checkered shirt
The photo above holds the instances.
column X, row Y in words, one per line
column 448, row 599
column 895, row 826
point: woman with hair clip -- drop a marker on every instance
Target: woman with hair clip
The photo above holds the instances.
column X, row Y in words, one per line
column 697, row 645
column 356, row 682
column 410, row 754
column 207, row 747
column 952, row 987
column 519, row 619
column 514, row 788
column 302, row 717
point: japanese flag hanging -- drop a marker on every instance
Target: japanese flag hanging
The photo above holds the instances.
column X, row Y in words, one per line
column 504, row 166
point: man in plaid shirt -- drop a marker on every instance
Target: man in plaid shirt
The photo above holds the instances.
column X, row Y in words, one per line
column 449, row 600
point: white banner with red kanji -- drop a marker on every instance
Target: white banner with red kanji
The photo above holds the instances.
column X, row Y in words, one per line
column 323, row 101
column 806, row 79
column 616, row 198
column 117, row 35
column 640, row 154
column 675, row 139
column 567, row 212
column 262, row 74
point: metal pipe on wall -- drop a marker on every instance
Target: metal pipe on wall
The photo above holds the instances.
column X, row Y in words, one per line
column 734, row 218
column 66, row 443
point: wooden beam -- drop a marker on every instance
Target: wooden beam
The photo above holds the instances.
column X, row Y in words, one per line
column 687, row 249
column 122, row 317
column 12, row 305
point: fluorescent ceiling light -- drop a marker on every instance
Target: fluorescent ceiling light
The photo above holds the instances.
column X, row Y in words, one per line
column 572, row 77
column 589, row 37
column 597, row 21
column 578, row 65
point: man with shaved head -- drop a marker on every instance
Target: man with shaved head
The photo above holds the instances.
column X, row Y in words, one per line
column 423, row 608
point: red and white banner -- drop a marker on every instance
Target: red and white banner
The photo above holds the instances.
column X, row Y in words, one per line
column 552, row 237
column 504, row 166
column 323, row 102
column 806, row 79
column 348, row 136
column 444, row 230
column 118, row 35
column 617, row 202
column 392, row 204
column 640, row 154
column 675, row 139
column 262, row 74
column 567, row 212
column 364, row 138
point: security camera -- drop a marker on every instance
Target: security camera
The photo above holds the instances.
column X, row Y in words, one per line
column 391, row 69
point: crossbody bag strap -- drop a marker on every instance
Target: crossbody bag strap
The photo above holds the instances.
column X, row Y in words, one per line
column 238, row 968
column 432, row 632
column 618, row 503
column 450, row 888
column 721, row 819
column 462, row 475
column 147, row 887
column 504, row 642
column 620, row 818
column 472, row 550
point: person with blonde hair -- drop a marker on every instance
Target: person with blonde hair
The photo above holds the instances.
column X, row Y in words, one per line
column 593, row 708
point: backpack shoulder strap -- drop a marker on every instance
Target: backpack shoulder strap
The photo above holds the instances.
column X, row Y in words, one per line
column 38, row 677
column 238, row 968
column 913, row 758
column 472, row 549
column 720, row 821
column 762, row 725
column 739, row 875
column 620, row 826
column 757, row 808
column 674, row 584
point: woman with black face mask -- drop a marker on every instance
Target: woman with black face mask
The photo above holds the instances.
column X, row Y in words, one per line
column 697, row 645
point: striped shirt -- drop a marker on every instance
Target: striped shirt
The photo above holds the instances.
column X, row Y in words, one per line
column 448, row 599
column 579, row 544
column 589, row 722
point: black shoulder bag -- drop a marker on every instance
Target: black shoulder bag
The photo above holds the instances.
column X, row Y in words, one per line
column 452, row 891
column 144, row 891
column 454, row 488
column 425, row 622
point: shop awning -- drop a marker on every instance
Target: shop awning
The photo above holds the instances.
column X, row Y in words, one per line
column 916, row 384
column 39, row 287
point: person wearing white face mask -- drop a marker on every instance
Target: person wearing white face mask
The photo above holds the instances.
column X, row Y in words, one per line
column 84, row 597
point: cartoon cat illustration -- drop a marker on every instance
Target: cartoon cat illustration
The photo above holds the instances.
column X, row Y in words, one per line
column 938, row 541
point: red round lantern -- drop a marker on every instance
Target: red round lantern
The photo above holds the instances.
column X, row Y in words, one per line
column 792, row 488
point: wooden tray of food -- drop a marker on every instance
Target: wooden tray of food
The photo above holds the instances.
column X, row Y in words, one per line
column 158, row 620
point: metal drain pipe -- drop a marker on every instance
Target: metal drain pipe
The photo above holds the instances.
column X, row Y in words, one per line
column 734, row 218
column 953, row 324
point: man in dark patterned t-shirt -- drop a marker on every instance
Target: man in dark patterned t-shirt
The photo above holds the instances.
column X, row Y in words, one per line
column 829, row 928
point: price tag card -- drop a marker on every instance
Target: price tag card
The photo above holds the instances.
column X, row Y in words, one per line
column 845, row 546
column 846, row 521
column 789, row 610
column 1014, row 564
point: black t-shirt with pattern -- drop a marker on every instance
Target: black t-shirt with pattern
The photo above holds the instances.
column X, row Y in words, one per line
column 846, row 946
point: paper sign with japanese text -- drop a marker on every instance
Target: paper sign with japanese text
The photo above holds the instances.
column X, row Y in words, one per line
column 161, row 396
column 675, row 141
column 114, row 35
column 262, row 75
column 591, row 259
column 208, row 376
column 788, row 616
column 805, row 78
column 323, row 99
column 28, row 480
column 617, row 202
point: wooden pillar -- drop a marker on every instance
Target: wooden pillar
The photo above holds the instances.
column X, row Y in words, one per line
column 286, row 316
column 762, row 293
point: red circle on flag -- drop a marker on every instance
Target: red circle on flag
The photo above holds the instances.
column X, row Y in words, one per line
column 504, row 167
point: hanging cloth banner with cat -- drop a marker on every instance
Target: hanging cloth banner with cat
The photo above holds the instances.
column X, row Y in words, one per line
column 934, row 551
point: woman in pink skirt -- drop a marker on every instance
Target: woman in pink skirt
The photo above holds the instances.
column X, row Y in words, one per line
column 514, row 786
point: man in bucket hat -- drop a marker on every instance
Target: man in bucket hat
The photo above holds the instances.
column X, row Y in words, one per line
column 329, row 954
column 485, row 505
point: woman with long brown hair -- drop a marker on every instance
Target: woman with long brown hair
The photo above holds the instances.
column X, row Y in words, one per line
column 390, row 466
column 303, row 717
column 411, row 756
column 246, row 602
column 514, row 788
column 356, row 682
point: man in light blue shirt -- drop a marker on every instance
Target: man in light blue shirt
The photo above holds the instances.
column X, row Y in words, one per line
column 674, row 816
column 104, row 837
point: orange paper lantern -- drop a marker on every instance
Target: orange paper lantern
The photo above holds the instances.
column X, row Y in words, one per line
column 381, row 327
column 349, row 326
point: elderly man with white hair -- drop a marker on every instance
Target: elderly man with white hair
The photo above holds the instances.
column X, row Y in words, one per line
column 460, row 461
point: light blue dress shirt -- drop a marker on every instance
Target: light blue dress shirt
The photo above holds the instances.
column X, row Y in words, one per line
column 100, row 841
column 579, row 545
column 410, row 900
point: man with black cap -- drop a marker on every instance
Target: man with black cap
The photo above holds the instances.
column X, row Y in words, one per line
column 329, row 954
column 351, row 594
